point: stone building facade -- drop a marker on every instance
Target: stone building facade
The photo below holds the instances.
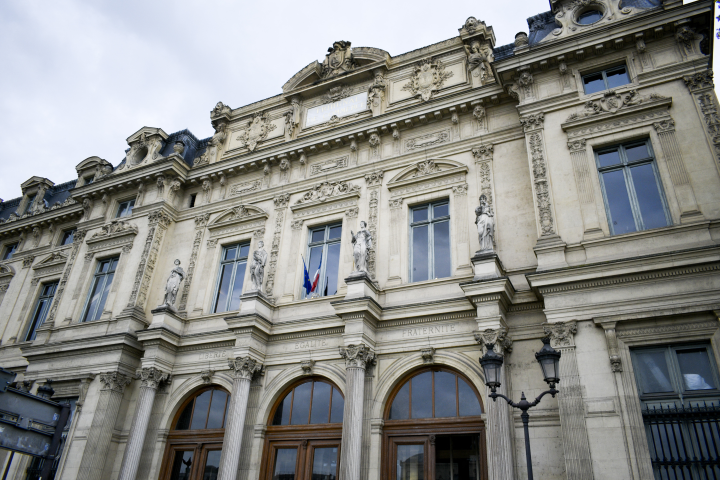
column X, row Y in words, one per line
column 566, row 185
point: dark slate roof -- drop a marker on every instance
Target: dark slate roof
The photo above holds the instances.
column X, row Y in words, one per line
column 540, row 26
column 504, row 51
column 9, row 206
column 193, row 146
column 58, row 193
column 641, row 3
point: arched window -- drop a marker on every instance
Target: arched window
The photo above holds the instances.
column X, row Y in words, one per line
column 195, row 439
column 303, row 433
column 433, row 428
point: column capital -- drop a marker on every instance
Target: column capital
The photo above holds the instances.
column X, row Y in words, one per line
column 244, row 367
column 532, row 121
column 562, row 334
column 496, row 336
column 357, row 356
column 115, row 381
column 665, row 126
column 483, row 153
column 699, row 81
column 152, row 377
column 577, row 145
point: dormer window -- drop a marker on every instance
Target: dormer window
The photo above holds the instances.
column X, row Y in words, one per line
column 589, row 17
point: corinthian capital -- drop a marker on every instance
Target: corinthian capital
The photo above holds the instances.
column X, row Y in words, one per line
column 562, row 334
column 357, row 356
column 498, row 337
column 244, row 367
column 115, row 381
column 152, row 377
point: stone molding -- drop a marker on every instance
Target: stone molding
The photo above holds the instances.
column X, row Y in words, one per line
column 358, row 356
column 699, row 81
column 245, row 367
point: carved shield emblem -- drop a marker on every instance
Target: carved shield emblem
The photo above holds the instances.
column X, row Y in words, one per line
column 256, row 131
column 427, row 78
column 336, row 58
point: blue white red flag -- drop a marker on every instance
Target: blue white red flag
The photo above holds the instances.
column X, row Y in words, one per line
column 316, row 278
column 306, row 279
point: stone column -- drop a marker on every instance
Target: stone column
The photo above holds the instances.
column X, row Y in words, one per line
column 689, row 211
column 292, row 260
column 201, row 222
column 151, row 378
column 103, row 424
column 578, row 463
column 357, row 358
column 243, row 371
column 581, row 169
column 500, row 446
column 396, row 228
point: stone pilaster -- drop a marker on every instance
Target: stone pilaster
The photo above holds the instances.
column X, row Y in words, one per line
column 201, row 222
column 702, row 88
column 499, row 436
column 582, row 172
column 397, row 224
column 357, row 359
column 689, row 211
column 62, row 285
column 103, row 423
column 578, row 463
column 150, row 378
column 460, row 214
column 291, row 266
column 243, row 370
column 281, row 203
column 374, row 182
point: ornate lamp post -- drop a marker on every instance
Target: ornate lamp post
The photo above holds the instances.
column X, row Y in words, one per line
column 549, row 358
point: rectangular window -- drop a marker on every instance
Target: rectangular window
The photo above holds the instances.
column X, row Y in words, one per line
column 67, row 237
column 125, row 208
column 430, row 241
column 9, row 250
column 678, row 388
column 324, row 260
column 41, row 309
column 631, row 188
column 231, row 277
column 102, row 281
column 605, row 79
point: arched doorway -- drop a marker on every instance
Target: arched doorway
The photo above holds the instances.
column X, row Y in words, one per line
column 303, row 433
column 433, row 429
column 196, row 437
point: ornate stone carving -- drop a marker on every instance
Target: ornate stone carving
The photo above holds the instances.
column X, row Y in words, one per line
column 357, row 356
column 213, row 146
column 686, row 37
column 281, row 201
column 699, row 80
column 220, row 109
column 275, row 249
column 479, row 114
column 478, row 60
column 177, row 274
column 542, row 188
column 325, row 190
column 87, row 206
column 712, row 120
column 483, row 153
column 158, row 222
column 362, row 243
column 256, row 131
column 498, row 337
column 664, row 126
column 374, row 142
column 257, row 267
column 336, row 93
column 425, row 168
column 245, row 367
column 485, row 221
column 352, row 212
column 207, row 190
column 297, row 224
column 307, row 366
column 199, row 232
column 577, row 145
column 159, row 217
column 532, row 122
column 428, row 355
column 335, row 163
column 292, row 118
column 395, row 203
column 427, row 78
column 152, row 377
column 201, row 221
column 561, row 334
column 461, row 189
column 376, row 93
column 212, row 242
column 116, row 227
column 612, row 102
column 374, row 179
column 28, row 261
column 207, row 375
column 428, row 140
column 339, row 59
column 115, row 381
column 160, row 185
column 243, row 188
column 236, row 213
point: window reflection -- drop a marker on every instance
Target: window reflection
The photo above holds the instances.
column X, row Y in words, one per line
column 207, row 410
column 434, row 394
column 231, row 277
column 285, row 461
column 312, row 402
column 324, row 260
column 430, row 242
column 182, row 465
column 410, row 462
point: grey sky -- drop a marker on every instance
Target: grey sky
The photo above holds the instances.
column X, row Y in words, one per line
column 80, row 76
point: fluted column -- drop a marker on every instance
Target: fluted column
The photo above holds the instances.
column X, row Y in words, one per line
column 357, row 358
column 582, row 172
column 151, row 379
column 689, row 210
column 499, row 437
column 243, row 370
column 578, row 463
column 103, row 423
column 397, row 223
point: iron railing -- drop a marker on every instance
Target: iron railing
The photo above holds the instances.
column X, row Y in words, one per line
column 684, row 441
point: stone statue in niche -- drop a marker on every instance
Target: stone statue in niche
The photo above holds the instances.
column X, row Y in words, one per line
column 215, row 143
column 177, row 275
column 477, row 60
column 362, row 243
column 485, row 221
column 257, row 267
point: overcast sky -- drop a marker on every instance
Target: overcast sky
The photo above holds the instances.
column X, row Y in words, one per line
column 79, row 77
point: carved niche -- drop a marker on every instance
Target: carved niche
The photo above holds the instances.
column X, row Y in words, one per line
column 256, row 131
column 428, row 77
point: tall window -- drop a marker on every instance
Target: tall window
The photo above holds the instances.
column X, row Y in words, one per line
column 605, row 79
column 434, row 429
column 631, row 188
column 125, row 208
column 304, row 432
column 430, row 241
column 9, row 251
column 67, row 237
column 231, row 277
column 195, row 441
column 102, row 281
column 678, row 388
column 324, row 254
column 41, row 309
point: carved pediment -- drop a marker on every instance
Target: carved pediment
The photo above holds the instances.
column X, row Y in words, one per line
column 54, row 259
column 429, row 174
column 116, row 228
column 426, row 167
column 612, row 102
column 324, row 191
column 115, row 233
column 6, row 273
column 238, row 214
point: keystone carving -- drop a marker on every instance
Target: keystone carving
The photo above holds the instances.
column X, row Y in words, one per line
column 307, row 366
column 428, row 355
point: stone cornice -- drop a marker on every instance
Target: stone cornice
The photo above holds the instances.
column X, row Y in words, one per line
column 83, row 346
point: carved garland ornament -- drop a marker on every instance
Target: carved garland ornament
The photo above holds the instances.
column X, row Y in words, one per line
column 427, row 78
column 323, row 191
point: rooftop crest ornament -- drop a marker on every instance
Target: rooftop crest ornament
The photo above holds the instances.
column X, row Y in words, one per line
column 339, row 59
column 427, row 78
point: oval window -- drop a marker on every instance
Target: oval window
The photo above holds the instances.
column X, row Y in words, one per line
column 310, row 403
column 589, row 17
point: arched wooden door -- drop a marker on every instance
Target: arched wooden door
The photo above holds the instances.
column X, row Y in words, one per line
column 433, row 429
column 196, row 438
column 304, row 432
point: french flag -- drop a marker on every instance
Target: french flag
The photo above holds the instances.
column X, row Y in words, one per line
column 311, row 286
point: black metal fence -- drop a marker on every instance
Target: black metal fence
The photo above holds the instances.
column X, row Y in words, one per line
column 684, row 441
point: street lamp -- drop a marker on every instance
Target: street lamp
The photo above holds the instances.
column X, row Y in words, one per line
column 548, row 358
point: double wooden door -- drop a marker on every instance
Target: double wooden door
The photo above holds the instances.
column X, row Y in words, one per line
column 195, row 461
column 303, row 460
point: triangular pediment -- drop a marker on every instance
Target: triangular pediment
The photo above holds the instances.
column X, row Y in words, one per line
column 55, row 258
column 429, row 167
column 34, row 181
column 238, row 214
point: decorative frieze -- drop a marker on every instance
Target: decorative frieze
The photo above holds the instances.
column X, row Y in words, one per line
column 428, row 140
column 243, row 188
column 612, row 102
column 325, row 190
column 334, row 164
